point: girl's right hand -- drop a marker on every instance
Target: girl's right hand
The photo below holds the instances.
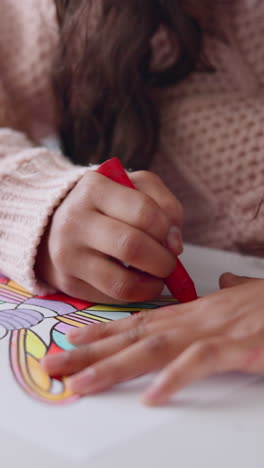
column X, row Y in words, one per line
column 99, row 227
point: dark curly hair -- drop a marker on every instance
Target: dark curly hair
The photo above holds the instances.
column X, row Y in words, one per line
column 104, row 79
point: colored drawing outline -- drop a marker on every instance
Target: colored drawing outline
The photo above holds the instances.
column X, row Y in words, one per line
column 23, row 318
column 23, row 373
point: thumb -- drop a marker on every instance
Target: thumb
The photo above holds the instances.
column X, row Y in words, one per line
column 229, row 280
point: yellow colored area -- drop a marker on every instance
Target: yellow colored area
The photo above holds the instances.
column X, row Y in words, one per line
column 40, row 378
column 37, row 375
column 34, row 345
column 70, row 322
column 13, row 287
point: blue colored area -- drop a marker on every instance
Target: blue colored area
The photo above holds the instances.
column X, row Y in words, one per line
column 61, row 341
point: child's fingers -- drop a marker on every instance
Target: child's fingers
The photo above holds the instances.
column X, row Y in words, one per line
column 198, row 361
column 152, row 185
column 114, row 280
column 124, row 365
column 130, row 206
column 86, row 355
column 75, row 287
column 71, row 362
column 201, row 360
column 142, row 320
column 127, row 244
column 229, row 280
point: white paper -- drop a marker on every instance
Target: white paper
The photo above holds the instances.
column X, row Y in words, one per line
column 88, row 427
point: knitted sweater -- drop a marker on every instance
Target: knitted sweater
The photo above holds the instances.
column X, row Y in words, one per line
column 211, row 150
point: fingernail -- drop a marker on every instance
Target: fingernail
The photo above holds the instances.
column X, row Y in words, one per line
column 82, row 383
column 154, row 396
column 174, row 240
column 74, row 335
column 79, row 335
column 252, row 357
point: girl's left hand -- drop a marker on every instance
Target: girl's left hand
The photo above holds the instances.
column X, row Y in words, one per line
column 220, row 332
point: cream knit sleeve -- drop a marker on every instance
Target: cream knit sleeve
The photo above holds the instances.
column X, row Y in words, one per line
column 33, row 182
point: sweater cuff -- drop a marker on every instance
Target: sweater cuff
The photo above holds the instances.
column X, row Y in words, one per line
column 32, row 185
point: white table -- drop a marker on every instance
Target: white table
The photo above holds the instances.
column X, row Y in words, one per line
column 226, row 432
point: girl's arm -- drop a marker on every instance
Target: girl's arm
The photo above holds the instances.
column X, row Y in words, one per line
column 33, row 182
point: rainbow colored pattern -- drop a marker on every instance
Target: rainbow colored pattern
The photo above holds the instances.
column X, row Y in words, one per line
column 37, row 326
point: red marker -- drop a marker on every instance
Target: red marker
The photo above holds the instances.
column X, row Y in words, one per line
column 179, row 282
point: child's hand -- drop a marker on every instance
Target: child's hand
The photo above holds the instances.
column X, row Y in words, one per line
column 218, row 333
column 101, row 224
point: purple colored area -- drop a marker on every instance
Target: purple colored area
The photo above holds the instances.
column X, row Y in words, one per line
column 16, row 319
column 8, row 298
column 13, row 294
column 5, row 316
column 78, row 318
column 63, row 328
column 59, row 307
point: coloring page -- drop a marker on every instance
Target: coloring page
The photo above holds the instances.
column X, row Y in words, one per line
column 34, row 327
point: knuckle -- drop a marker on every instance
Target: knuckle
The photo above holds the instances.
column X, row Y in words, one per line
column 207, row 350
column 157, row 344
column 133, row 335
column 92, row 188
column 147, row 212
column 175, row 208
column 122, row 290
column 90, row 179
column 103, row 328
column 148, row 177
column 130, row 246
column 67, row 285
column 142, row 318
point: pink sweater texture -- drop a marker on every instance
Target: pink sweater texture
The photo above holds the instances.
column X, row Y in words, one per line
column 211, row 151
